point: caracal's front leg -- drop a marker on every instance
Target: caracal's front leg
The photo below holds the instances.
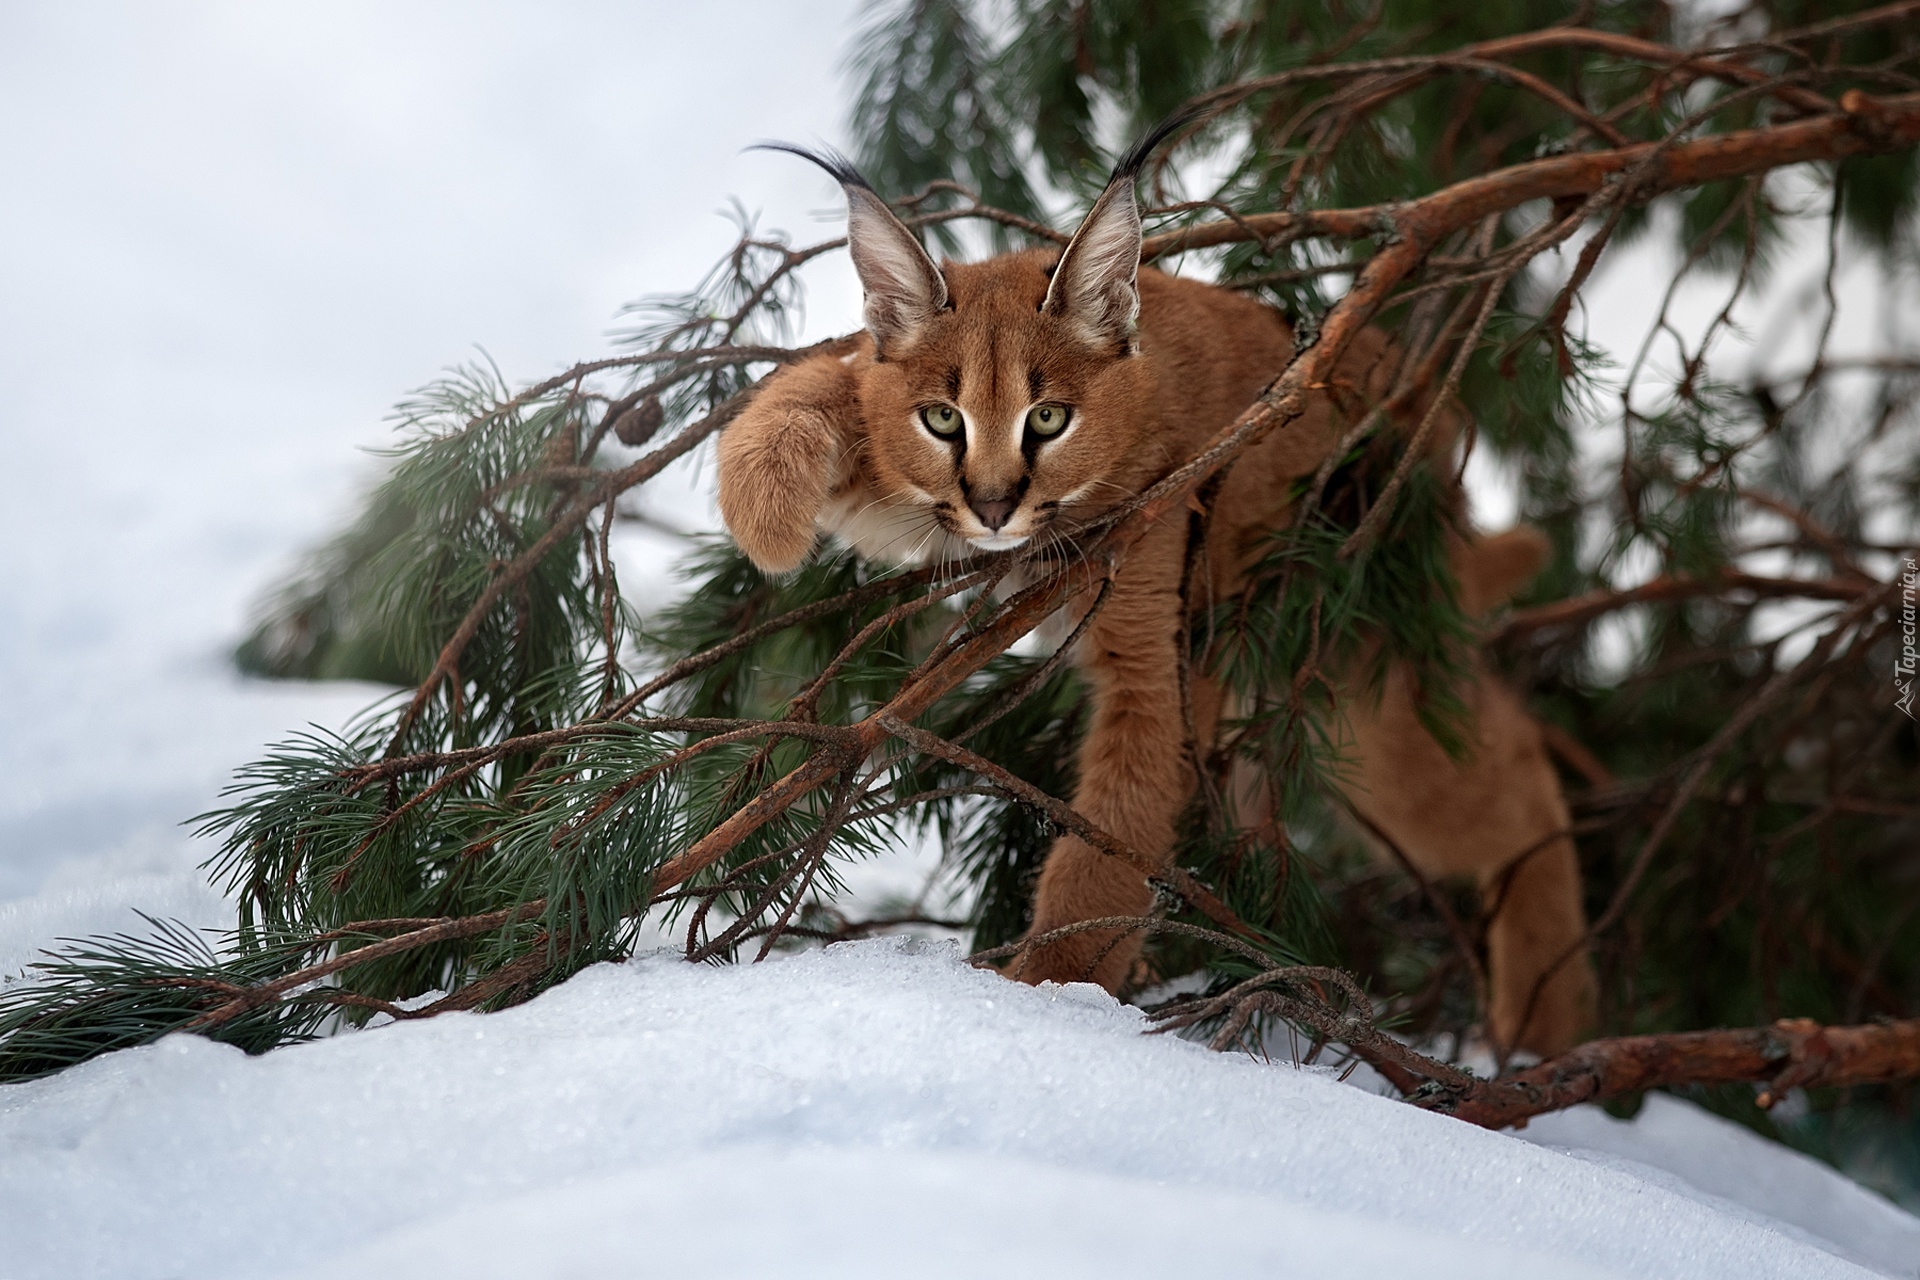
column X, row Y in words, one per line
column 1135, row 775
column 790, row 448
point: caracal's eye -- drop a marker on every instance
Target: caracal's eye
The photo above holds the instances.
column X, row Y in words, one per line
column 941, row 419
column 1048, row 419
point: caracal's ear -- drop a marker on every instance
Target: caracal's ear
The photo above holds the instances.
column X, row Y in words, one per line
column 903, row 288
column 1095, row 287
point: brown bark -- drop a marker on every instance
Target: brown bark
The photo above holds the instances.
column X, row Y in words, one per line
column 1791, row 1053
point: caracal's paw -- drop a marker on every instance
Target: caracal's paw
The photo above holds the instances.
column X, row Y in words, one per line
column 781, row 458
column 773, row 481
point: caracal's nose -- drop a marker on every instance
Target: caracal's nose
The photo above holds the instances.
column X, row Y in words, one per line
column 993, row 512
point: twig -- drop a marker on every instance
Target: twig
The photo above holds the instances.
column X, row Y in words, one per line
column 1703, row 762
column 1463, row 941
column 439, row 931
column 1582, row 609
column 1069, row 818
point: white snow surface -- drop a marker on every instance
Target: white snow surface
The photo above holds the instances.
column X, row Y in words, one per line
column 869, row 1109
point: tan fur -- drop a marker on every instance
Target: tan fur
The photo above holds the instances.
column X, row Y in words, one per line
column 837, row 444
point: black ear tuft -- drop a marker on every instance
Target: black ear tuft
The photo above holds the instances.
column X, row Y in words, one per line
column 1140, row 152
column 903, row 287
column 837, row 166
column 1094, row 285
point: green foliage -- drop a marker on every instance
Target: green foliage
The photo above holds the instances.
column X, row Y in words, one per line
column 325, row 624
column 1017, row 100
column 564, row 834
column 930, row 114
column 730, row 596
column 101, row 994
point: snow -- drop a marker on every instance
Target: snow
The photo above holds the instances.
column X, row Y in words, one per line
column 233, row 236
column 839, row 1112
column 1695, row 1153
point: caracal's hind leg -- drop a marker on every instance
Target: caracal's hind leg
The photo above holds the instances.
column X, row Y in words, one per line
column 1498, row 816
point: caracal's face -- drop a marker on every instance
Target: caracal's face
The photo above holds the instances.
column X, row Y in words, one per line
column 1001, row 420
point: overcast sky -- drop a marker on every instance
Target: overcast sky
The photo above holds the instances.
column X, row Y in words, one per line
column 306, row 208
column 233, row 235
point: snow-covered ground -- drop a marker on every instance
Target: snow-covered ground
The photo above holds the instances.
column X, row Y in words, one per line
column 229, row 237
column 874, row 1109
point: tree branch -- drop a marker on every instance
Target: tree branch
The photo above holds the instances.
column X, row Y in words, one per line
column 1793, row 1052
column 1864, row 126
column 1669, row 587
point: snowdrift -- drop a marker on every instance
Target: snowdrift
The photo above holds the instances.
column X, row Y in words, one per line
column 872, row 1109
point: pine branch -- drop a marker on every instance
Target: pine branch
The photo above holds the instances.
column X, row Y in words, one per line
column 1789, row 1054
column 1863, row 126
column 1667, row 588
